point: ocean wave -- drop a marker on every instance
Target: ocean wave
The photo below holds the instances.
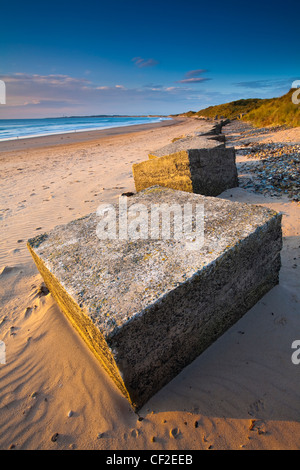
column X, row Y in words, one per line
column 12, row 129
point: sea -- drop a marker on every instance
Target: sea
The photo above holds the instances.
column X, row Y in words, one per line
column 11, row 129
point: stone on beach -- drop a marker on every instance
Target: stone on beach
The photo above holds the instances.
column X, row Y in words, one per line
column 275, row 169
column 148, row 307
column 196, row 142
column 200, row 164
column 206, row 171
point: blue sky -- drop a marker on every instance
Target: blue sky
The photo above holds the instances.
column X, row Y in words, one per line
column 116, row 57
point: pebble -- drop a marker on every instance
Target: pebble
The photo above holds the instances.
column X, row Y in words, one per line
column 252, row 424
column 54, row 437
column 70, row 413
column 276, row 172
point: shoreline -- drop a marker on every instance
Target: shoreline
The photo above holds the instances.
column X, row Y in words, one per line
column 81, row 136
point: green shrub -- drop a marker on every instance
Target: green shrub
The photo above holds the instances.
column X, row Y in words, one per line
column 260, row 112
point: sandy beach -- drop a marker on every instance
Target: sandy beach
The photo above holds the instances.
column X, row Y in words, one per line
column 243, row 392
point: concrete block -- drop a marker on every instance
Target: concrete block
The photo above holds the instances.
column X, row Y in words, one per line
column 194, row 142
column 198, row 165
column 148, row 307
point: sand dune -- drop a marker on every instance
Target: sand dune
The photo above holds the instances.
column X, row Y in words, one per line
column 241, row 393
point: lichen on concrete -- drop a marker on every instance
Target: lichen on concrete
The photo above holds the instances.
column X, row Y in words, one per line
column 200, row 164
column 148, row 307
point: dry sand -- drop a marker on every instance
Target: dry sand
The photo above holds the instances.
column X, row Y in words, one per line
column 284, row 136
column 242, row 393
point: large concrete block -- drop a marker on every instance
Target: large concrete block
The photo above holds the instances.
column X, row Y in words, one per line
column 198, row 165
column 148, row 307
column 195, row 142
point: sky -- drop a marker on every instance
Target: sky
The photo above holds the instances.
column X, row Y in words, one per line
column 61, row 58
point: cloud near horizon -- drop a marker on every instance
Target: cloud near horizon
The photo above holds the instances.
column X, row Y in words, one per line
column 53, row 95
column 33, row 95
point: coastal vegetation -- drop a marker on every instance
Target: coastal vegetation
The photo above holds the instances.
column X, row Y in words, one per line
column 279, row 111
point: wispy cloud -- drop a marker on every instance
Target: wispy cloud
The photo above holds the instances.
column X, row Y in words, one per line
column 37, row 90
column 264, row 84
column 120, row 87
column 141, row 63
column 50, row 80
column 194, row 76
column 33, row 95
column 30, row 95
column 195, row 73
column 153, row 87
column 193, row 80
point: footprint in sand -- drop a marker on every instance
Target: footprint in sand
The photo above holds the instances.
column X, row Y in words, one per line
column 280, row 321
column 256, row 407
column 8, row 270
column 27, row 312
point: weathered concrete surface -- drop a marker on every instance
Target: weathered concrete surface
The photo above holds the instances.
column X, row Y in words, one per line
column 199, row 163
column 147, row 308
column 204, row 138
column 207, row 171
column 195, row 142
